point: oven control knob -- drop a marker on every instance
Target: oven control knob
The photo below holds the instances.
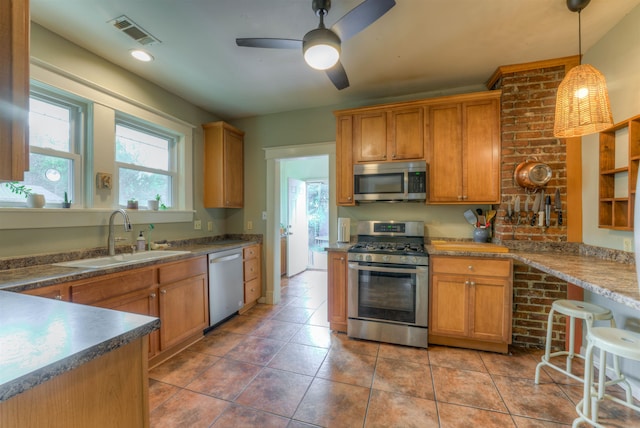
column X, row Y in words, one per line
column 368, row 258
column 385, row 258
column 414, row 260
column 403, row 259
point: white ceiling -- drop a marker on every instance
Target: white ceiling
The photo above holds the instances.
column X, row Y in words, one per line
column 418, row 46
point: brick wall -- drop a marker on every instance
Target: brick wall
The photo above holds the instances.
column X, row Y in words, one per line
column 528, row 108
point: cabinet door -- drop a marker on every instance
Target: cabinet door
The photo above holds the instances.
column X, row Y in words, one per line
column 481, row 151
column 449, row 315
column 337, row 290
column 370, row 137
column 344, row 160
column 14, row 89
column 143, row 303
column 445, row 169
column 233, row 170
column 252, row 290
column 183, row 310
column 490, row 309
column 406, row 133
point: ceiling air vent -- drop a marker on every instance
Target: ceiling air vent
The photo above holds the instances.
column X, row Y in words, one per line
column 133, row 30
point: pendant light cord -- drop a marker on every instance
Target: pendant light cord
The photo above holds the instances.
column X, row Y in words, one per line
column 579, row 37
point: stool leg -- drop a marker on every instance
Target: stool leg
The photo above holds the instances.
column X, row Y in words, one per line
column 572, row 337
column 547, row 347
column 588, row 381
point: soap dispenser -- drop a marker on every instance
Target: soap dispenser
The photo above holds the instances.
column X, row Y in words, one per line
column 140, row 242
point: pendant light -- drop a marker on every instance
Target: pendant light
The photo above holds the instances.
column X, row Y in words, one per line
column 582, row 101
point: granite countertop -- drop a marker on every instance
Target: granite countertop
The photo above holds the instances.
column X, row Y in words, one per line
column 42, row 338
column 41, row 275
column 575, row 263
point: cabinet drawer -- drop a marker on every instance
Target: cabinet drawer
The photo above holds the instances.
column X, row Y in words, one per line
column 172, row 272
column 471, row 266
column 250, row 252
column 90, row 292
column 252, row 290
column 251, row 269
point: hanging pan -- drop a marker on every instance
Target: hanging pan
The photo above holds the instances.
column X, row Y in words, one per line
column 532, row 174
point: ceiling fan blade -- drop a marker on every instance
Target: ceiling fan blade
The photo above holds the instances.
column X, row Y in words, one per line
column 338, row 76
column 360, row 17
column 260, row 42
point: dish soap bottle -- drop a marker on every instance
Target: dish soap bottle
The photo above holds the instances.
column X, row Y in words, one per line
column 140, row 242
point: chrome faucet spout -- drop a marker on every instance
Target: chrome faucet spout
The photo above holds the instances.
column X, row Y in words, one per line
column 111, row 242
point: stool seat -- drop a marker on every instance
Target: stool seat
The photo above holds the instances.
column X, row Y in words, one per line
column 618, row 343
column 574, row 309
column 625, row 344
column 578, row 309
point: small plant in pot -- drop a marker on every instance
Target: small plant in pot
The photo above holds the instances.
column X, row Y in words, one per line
column 34, row 200
column 66, row 203
column 154, row 204
column 132, row 204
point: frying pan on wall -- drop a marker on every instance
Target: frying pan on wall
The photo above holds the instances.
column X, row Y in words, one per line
column 532, row 174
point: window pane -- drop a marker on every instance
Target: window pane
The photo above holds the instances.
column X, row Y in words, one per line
column 49, row 125
column 143, row 186
column 140, row 148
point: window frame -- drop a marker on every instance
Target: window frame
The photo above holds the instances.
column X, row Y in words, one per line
column 174, row 139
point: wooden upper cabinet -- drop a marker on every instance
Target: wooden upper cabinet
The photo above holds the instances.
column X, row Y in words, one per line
column 14, row 89
column 389, row 135
column 223, row 166
column 406, row 133
column 464, row 141
column 344, row 160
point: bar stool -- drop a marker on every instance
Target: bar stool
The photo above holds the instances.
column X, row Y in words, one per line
column 619, row 343
column 573, row 309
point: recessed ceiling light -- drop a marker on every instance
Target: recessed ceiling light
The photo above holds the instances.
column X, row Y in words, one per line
column 141, row 55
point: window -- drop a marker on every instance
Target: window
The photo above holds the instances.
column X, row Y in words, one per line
column 56, row 136
column 146, row 162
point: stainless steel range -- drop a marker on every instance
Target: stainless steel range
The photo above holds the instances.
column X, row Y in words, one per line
column 389, row 283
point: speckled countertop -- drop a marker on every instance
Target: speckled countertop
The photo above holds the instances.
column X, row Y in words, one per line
column 609, row 273
column 42, row 338
column 35, row 347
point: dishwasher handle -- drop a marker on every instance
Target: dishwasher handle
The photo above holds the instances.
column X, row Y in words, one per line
column 224, row 259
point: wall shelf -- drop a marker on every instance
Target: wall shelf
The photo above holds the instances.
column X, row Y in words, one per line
column 619, row 162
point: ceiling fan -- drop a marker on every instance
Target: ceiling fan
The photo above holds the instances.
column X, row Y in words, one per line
column 321, row 46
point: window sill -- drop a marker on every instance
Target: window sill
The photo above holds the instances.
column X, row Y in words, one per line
column 39, row 218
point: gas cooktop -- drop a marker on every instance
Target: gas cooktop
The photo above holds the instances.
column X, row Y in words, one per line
column 387, row 247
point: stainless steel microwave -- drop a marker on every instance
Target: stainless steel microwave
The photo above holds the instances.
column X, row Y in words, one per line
column 391, row 181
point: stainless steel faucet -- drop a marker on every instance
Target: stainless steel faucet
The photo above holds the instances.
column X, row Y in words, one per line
column 111, row 242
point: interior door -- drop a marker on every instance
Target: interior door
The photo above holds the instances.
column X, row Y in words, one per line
column 297, row 229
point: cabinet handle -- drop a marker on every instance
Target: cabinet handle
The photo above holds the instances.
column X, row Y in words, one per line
column 349, row 198
column 459, row 197
column 342, row 259
column 473, row 283
column 464, row 197
column 393, row 155
column 163, row 291
column 466, row 282
column 58, row 297
column 152, row 295
column 470, row 267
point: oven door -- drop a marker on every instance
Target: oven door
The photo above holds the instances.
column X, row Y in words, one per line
column 388, row 292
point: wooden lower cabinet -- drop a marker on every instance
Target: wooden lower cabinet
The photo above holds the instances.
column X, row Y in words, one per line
column 337, row 280
column 58, row 292
column 471, row 302
column 252, row 268
column 176, row 292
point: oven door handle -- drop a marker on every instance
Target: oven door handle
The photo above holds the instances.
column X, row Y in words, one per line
column 356, row 266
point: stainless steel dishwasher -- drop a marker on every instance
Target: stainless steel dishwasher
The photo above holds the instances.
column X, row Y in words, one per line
column 226, row 289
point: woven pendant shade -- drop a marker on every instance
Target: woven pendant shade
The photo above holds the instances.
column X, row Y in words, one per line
column 582, row 103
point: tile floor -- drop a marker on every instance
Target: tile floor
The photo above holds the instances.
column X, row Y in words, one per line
column 280, row 366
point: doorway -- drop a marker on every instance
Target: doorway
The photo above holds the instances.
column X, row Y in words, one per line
column 275, row 158
column 305, row 213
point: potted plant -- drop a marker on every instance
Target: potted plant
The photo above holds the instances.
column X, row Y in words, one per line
column 67, row 202
column 154, row 204
column 34, row 200
column 132, row 204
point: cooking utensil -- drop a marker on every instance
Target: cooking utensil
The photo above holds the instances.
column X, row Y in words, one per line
column 509, row 211
column 536, row 207
column 558, row 203
column 517, row 209
column 527, row 204
column 490, row 215
column 541, row 209
column 547, row 211
column 470, row 217
column 532, row 174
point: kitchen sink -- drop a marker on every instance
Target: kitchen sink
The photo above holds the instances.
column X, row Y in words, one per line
column 120, row 259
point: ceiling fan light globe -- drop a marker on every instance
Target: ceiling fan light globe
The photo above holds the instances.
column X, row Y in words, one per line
column 321, row 48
